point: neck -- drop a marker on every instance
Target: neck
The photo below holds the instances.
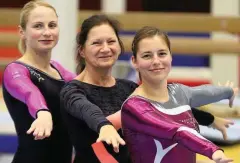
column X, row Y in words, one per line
column 100, row 77
column 153, row 91
column 39, row 60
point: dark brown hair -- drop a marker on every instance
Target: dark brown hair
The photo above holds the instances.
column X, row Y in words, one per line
column 87, row 25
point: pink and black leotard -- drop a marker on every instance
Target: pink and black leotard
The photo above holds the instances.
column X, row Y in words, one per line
column 26, row 91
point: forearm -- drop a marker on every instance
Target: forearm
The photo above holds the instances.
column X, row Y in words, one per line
column 94, row 117
column 194, row 141
column 207, row 94
column 87, row 112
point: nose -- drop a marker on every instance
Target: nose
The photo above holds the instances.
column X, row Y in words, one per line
column 156, row 59
column 47, row 32
column 105, row 47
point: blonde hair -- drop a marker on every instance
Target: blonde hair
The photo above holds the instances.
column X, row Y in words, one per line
column 24, row 15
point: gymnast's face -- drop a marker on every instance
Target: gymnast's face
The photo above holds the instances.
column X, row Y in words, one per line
column 102, row 47
column 42, row 32
column 153, row 59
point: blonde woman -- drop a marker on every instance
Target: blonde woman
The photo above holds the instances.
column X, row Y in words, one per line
column 31, row 88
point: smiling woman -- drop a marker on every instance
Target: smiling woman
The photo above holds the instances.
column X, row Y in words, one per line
column 31, row 87
column 99, row 38
column 87, row 114
column 158, row 115
column 102, row 48
column 36, row 26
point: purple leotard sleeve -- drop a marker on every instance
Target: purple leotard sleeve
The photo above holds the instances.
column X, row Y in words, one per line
column 141, row 117
column 17, row 81
column 67, row 75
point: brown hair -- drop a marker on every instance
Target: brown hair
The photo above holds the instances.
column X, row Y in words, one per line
column 24, row 15
column 147, row 32
column 87, row 25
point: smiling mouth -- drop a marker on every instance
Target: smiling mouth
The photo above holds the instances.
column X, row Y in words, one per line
column 45, row 40
column 105, row 57
column 157, row 69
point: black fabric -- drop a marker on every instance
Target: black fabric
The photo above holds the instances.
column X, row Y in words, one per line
column 202, row 117
column 57, row 148
column 83, row 116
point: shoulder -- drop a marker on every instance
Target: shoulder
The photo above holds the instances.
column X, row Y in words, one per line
column 175, row 86
column 16, row 65
column 127, row 83
column 55, row 63
column 14, row 68
column 135, row 102
column 136, row 106
column 69, row 88
column 58, row 66
column 16, row 74
column 74, row 89
column 73, row 85
column 179, row 91
column 67, row 75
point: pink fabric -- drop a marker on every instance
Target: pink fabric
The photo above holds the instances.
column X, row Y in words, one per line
column 149, row 133
column 67, row 75
column 17, row 81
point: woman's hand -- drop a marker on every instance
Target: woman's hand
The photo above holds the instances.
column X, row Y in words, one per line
column 235, row 91
column 222, row 124
column 42, row 126
column 219, row 157
column 110, row 135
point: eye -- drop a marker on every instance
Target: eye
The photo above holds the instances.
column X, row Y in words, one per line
column 52, row 25
column 37, row 26
column 96, row 43
column 111, row 41
column 146, row 56
column 162, row 53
